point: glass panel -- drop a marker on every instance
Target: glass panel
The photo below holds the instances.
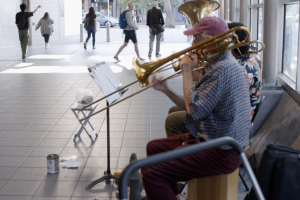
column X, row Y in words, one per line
column 259, row 28
column 259, row 24
column 251, row 15
column 260, row 1
column 290, row 40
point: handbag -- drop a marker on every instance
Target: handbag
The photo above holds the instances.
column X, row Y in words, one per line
column 87, row 22
column 52, row 29
column 156, row 28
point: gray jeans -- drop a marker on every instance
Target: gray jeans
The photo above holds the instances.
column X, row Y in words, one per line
column 151, row 37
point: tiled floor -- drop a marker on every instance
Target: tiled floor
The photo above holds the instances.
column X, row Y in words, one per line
column 36, row 120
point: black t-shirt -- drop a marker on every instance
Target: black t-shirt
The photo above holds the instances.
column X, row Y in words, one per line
column 20, row 15
column 91, row 19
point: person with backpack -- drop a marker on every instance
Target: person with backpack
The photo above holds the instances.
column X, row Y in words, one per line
column 155, row 21
column 90, row 24
column 126, row 23
column 46, row 28
column 23, row 26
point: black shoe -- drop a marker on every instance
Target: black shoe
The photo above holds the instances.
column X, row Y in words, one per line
column 84, row 45
column 149, row 54
column 117, row 59
column 142, row 58
column 158, row 55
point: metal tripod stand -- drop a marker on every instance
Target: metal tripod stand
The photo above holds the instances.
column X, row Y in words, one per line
column 107, row 174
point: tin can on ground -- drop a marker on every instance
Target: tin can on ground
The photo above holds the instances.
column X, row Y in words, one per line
column 53, row 164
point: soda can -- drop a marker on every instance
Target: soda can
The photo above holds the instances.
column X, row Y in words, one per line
column 53, row 163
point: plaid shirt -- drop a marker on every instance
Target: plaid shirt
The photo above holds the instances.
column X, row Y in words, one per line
column 219, row 102
column 252, row 69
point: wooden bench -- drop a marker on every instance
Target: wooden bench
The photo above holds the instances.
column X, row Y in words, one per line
column 219, row 187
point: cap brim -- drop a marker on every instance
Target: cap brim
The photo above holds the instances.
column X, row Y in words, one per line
column 191, row 32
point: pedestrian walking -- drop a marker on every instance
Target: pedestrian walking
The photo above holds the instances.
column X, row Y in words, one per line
column 23, row 27
column 91, row 26
column 129, row 32
column 46, row 24
column 155, row 21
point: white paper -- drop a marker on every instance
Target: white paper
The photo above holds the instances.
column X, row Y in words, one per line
column 69, row 164
column 106, row 80
column 68, row 157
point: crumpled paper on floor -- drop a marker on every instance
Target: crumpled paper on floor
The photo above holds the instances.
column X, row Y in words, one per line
column 69, row 162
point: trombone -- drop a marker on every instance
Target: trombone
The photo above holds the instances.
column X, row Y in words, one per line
column 209, row 48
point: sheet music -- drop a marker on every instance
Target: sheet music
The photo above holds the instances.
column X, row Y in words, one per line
column 106, row 80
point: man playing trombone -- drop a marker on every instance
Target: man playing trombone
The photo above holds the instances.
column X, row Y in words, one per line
column 217, row 105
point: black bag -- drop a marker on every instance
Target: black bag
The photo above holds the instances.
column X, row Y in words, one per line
column 271, row 167
column 286, row 184
column 22, row 21
column 156, row 28
column 87, row 21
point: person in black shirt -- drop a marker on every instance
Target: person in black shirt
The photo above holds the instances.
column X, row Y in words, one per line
column 92, row 28
column 23, row 30
column 154, row 18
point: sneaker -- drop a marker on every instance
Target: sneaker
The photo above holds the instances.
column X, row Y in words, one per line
column 94, row 47
column 149, row 54
column 84, row 45
column 142, row 59
column 25, row 59
column 45, row 46
column 117, row 59
column 158, row 55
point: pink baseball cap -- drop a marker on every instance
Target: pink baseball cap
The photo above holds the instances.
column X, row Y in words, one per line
column 208, row 25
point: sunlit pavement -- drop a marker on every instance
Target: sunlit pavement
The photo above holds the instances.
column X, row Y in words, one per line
column 36, row 120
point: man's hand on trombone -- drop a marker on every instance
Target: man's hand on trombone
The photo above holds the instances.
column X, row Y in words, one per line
column 162, row 86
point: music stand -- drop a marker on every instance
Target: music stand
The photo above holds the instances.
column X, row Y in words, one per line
column 107, row 173
column 107, row 81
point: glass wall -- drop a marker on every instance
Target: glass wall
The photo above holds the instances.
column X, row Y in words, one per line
column 290, row 40
column 237, row 14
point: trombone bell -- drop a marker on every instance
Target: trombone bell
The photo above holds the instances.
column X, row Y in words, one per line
column 140, row 73
column 195, row 10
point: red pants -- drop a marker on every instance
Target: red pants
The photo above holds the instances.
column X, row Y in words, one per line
column 160, row 181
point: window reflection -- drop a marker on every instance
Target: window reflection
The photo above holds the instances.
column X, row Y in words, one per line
column 251, row 16
column 259, row 26
column 290, row 40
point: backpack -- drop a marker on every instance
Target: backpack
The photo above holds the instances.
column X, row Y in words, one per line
column 122, row 20
column 278, row 174
column 22, row 21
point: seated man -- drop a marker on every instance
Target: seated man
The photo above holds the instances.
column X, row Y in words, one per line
column 251, row 66
column 174, row 124
column 217, row 106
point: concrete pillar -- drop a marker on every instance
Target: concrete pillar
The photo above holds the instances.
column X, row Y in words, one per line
column 221, row 9
column 226, row 9
column 29, row 9
column 118, row 11
column 244, row 12
column 270, row 37
column 114, row 7
column 232, row 11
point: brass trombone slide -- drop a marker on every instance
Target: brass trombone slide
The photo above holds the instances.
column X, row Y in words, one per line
column 209, row 48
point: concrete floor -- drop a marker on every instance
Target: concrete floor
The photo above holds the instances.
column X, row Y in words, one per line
column 36, row 120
